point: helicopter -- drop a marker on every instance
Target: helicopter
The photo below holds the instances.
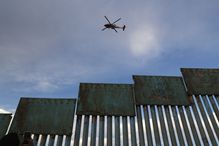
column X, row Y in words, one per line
column 113, row 25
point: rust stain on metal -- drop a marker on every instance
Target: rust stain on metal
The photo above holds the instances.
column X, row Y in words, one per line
column 44, row 116
column 201, row 81
column 106, row 99
column 159, row 90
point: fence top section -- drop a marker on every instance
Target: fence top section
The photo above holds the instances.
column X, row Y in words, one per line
column 106, row 99
column 201, row 81
column 4, row 123
column 159, row 90
column 44, row 116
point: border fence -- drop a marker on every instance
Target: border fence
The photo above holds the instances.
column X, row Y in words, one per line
column 154, row 110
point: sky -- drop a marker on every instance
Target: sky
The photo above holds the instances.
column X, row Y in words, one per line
column 48, row 47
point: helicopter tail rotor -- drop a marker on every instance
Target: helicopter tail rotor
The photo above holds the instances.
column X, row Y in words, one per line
column 123, row 28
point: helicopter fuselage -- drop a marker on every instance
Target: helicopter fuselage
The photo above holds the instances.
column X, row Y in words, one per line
column 112, row 26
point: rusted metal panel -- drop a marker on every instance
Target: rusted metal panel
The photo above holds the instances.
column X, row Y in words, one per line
column 196, row 124
column 106, row 99
column 4, row 123
column 44, row 116
column 201, row 81
column 179, row 125
column 159, row 90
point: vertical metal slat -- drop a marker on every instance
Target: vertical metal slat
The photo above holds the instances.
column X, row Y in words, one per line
column 109, row 130
column 155, row 126
column 113, row 131
column 196, row 126
column 133, row 134
column 208, row 123
column 101, row 131
column 97, row 130
column 93, row 130
column 121, row 131
column 181, row 126
column 159, row 125
column 85, row 130
column 73, row 130
column 151, row 125
column 68, row 140
column 125, row 130
column 174, row 126
column 89, row 131
column 129, row 131
column 77, row 131
column 136, row 131
column 59, row 140
column 143, row 125
column 147, row 125
column 202, row 121
column 166, row 126
column 140, row 125
column 105, row 131
column 35, row 139
column 177, row 124
column 189, row 134
column 51, row 140
column 81, row 131
column 117, row 131
column 215, row 104
column 42, row 140
column 213, row 113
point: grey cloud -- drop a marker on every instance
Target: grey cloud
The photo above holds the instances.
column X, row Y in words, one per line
column 46, row 45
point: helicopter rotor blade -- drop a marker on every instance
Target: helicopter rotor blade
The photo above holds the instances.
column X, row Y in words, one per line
column 115, row 29
column 104, row 29
column 116, row 21
column 107, row 19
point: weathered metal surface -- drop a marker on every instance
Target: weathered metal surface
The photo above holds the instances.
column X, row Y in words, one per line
column 201, row 81
column 44, row 116
column 154, row 125
column 4, row 123
column 159, row 90
column 106, row 99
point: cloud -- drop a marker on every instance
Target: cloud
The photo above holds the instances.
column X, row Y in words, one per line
column 45, row 86
column 47, row 46
column 144, row 43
